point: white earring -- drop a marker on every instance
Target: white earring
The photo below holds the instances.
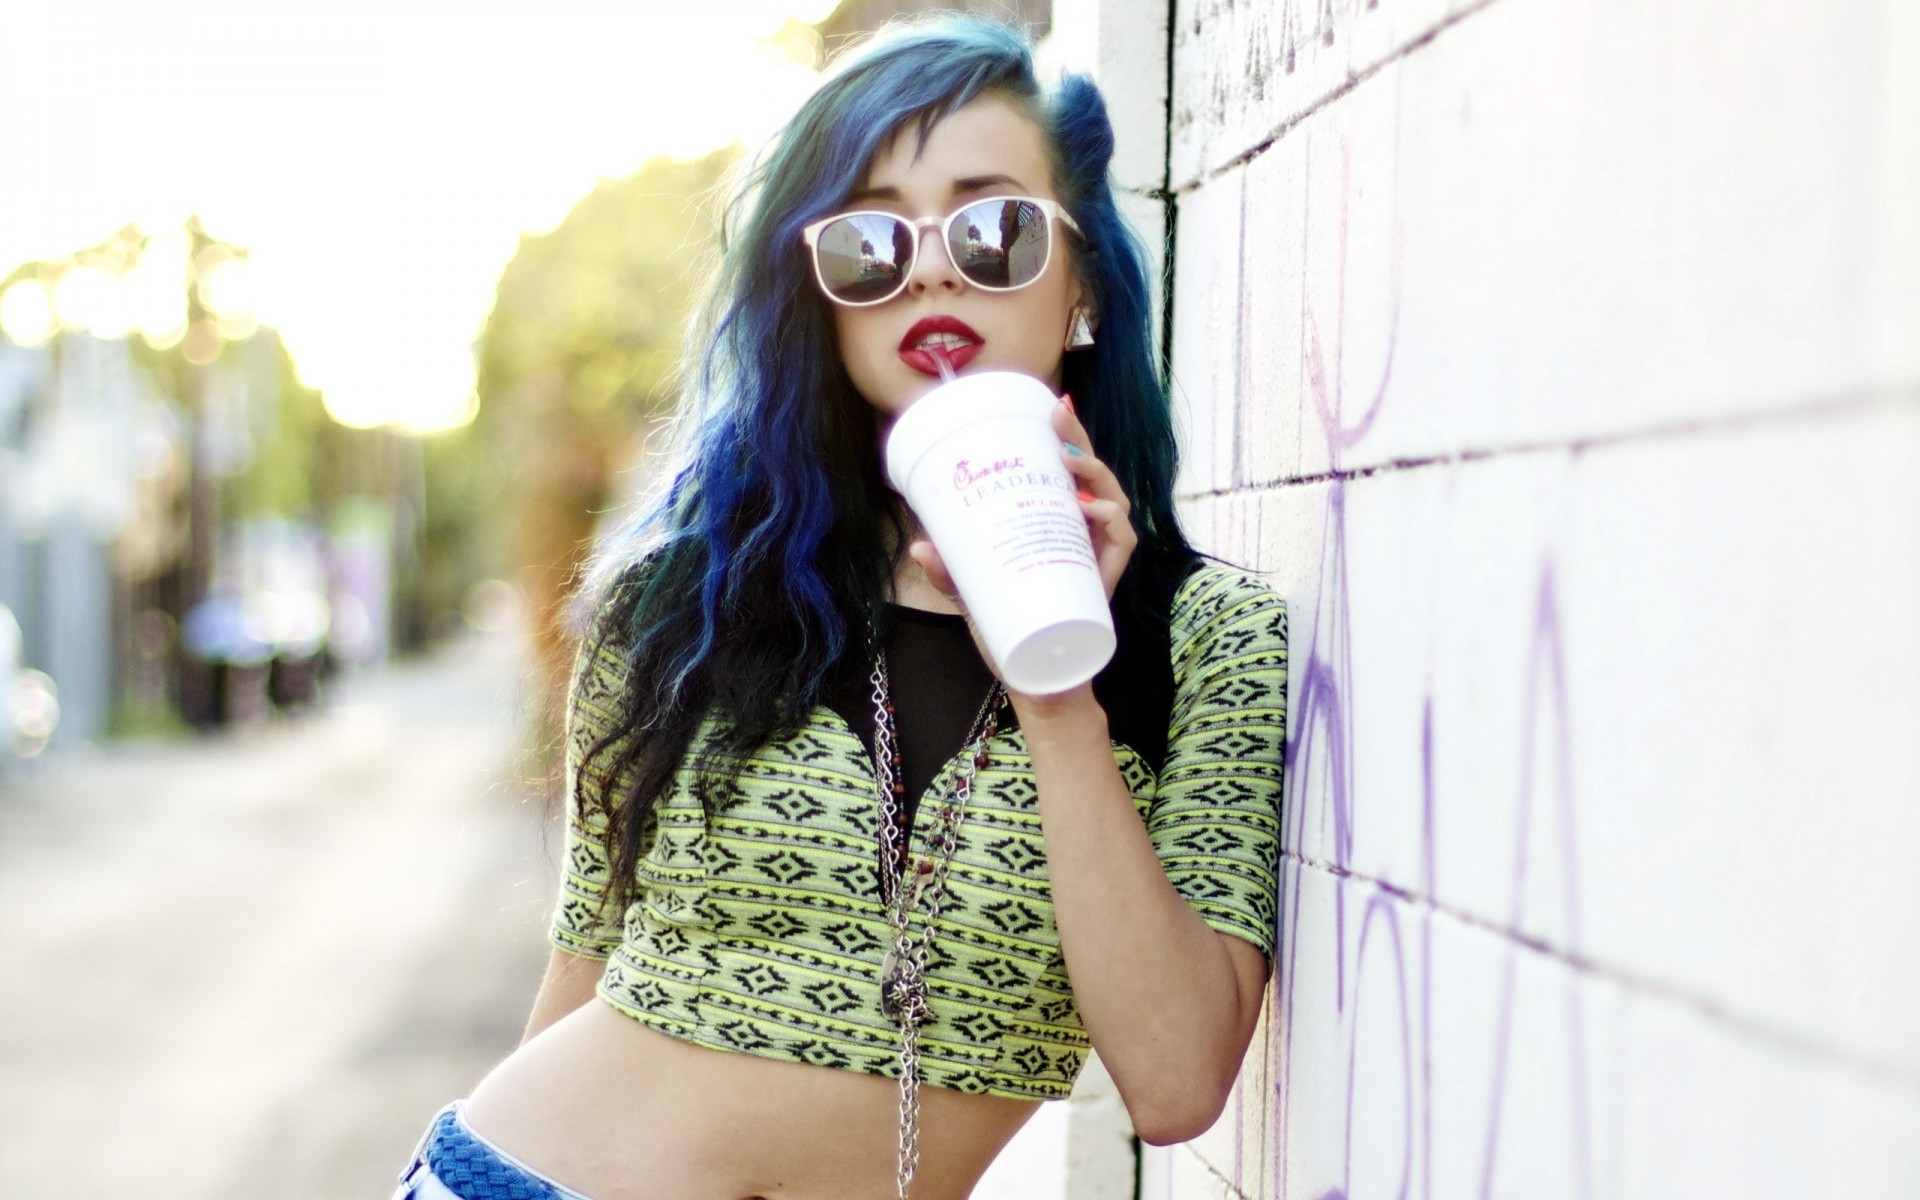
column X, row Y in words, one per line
column 1079, row 330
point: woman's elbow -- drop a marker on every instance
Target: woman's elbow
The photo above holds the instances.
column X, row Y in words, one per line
column 1172, row 1119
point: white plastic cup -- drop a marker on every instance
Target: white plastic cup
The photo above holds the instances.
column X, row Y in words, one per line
column 979, row 463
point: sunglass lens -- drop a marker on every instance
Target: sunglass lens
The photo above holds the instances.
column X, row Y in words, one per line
column 863, row 256
column 1000, row 243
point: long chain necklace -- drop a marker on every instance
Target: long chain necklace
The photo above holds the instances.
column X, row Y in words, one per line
column 903, row 974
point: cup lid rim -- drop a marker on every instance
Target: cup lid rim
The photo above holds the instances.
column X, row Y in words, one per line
column 911, row 437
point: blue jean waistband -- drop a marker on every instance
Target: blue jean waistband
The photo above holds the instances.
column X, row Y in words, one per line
column 467, row 1166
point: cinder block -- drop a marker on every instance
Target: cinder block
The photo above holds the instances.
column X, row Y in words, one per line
column 1177, row 1173
column 1148, row 217
column 1100, row 1145
column 1418, row 1054
column 1555, row 223
column 1651, row 704
column 1123, row 44
column 1133, row 73
column 1246, row 69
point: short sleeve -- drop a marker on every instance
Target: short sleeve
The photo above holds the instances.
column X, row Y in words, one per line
column 1215, row 817
column 582, row 923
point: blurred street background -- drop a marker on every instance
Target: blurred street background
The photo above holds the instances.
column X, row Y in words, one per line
column 253, row 967
column 331, row 341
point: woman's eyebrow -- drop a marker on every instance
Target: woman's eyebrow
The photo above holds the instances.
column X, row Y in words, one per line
column 970, row 183
column 974, row 183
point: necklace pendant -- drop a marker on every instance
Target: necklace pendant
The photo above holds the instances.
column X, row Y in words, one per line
column 902, row 992
column 922, row 876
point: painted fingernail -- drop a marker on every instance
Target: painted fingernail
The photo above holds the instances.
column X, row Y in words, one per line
column 1084, row 494
column 1072, row 449
column 1068, row 401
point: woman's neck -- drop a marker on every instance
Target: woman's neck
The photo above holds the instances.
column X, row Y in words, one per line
column 912, row 589
column 910, row 586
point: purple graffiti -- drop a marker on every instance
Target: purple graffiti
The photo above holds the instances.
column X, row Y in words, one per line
column 1545, row 653
column 1321, row 796
column 1321, row 788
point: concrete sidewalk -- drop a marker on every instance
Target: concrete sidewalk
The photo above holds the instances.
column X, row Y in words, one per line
column 252, row 966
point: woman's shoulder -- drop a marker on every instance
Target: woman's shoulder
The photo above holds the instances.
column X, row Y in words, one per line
column 600, row 624
column 601, row 615
column 1215, row 590
column 1221, row 611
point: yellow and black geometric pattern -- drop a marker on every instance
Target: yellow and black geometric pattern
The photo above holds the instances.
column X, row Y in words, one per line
column 764, row 933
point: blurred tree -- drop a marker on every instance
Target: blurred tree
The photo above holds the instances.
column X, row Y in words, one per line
column 288, row 473
column 576, row 359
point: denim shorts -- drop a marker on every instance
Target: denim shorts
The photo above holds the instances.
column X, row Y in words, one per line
column 452, row 1162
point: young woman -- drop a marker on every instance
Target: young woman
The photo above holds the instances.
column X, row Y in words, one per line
column 756, row 990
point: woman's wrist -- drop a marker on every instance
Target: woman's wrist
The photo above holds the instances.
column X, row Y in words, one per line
column 1063, row 716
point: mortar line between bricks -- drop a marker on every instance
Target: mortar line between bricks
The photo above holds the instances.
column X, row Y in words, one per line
column 1208, row 175
column 1809, row 410
column 1231, row 1188
column 1709, row 1009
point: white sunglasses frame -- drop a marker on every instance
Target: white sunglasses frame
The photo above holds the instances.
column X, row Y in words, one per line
column 1052, row 209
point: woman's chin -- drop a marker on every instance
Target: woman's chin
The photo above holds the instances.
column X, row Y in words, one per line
column 904, row 394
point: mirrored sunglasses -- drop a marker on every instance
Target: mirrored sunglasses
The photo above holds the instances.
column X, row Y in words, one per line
column 1001, row 244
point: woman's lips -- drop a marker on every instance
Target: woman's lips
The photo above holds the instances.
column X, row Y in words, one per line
column 955, row 340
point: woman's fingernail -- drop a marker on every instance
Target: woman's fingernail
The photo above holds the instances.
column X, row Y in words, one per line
column 1084, row 494
column 1068, row 401
column 1072, row 449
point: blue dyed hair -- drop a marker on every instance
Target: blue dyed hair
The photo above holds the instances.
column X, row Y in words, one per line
column 749, row 579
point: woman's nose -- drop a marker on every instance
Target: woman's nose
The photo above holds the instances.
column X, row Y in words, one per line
column 933, row 266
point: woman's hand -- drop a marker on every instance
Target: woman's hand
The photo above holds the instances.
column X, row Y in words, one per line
column 1103, row 502
column 1102, row 499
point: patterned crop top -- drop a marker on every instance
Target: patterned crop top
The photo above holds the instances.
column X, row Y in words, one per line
column 763, row 932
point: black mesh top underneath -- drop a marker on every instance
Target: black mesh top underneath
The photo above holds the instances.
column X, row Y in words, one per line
column 938, row 681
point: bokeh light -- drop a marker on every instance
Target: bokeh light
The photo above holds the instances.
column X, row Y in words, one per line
column 26, row 313
column 81, row 296
column 157, row 288
column 226, row 285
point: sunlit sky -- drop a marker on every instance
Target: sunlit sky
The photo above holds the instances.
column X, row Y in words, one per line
column 379, row 160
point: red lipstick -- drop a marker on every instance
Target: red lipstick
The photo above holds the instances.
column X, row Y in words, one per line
column 952, row 336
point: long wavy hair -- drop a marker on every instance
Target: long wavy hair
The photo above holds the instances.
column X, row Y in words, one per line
column 746, row 584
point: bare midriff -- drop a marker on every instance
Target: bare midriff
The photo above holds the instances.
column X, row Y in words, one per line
column 617, row 1110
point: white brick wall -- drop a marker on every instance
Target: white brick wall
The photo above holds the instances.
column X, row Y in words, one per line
column 1561, row 361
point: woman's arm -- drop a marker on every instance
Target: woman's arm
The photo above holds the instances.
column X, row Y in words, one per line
column 1169, row 1002
column 568, row 983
